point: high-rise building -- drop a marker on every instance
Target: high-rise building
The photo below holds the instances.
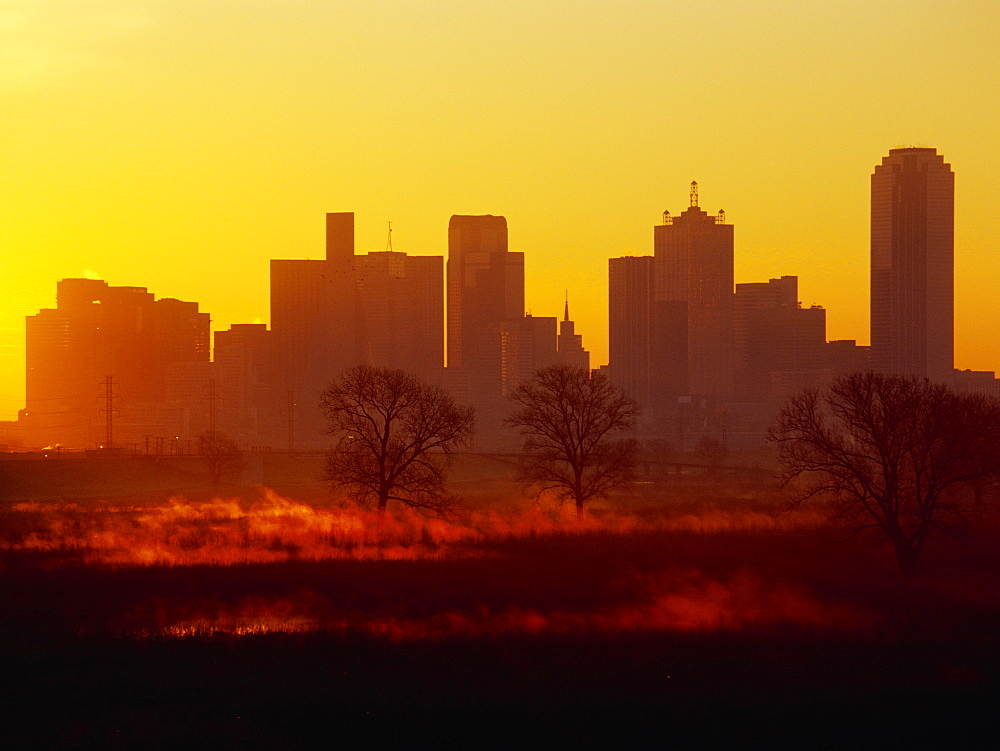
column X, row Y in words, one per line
column 774, row 293
column 912, row 264
column 846, row 356
column 778, row 343
column 630, row 325
column 694, row 294
column 485, row 299
column 314, row 325
column 249, row 409
column 401, row 303
column 114, row 349
column 526, row 346
column 569, row 347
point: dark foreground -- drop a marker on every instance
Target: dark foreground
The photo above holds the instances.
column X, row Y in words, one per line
column 282, row 691
column 645, row 638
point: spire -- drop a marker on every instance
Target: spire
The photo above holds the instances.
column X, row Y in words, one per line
column 694, row 194
column 566, row 313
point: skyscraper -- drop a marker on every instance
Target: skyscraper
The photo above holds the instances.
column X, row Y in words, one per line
column 314, row 324
column 630, row 324
column 401, row 305
column 485, row 300
column 118, row 342
column 912, row 264
column 694, row 299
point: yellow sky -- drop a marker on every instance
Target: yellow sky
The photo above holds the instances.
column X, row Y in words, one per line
column 179, row 145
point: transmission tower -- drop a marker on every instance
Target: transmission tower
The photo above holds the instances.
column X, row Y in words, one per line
column 109, row 410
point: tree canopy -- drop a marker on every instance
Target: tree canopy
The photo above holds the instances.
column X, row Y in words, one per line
column 222, row 455
column 575, row 430
column 393, row 434
column 897, row 454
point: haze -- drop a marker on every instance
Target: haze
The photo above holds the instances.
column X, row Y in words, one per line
column 180, row 146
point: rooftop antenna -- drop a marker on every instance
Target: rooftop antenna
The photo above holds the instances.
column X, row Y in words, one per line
column 388, row 245
column 694, row 194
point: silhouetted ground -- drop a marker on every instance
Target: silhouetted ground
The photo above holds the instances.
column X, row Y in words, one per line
column 714, row 632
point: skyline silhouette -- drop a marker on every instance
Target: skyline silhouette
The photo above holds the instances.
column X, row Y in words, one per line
column 212, row 151
column 706, row 358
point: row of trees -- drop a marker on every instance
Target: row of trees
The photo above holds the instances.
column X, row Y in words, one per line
column 897, row 454
column 394, row 435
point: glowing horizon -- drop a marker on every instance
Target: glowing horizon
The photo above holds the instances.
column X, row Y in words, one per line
column 176, row 147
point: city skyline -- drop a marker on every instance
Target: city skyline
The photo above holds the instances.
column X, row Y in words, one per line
column 213, row 152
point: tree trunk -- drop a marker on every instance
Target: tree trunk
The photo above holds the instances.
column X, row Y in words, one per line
column 908, row 558
column 579, row 508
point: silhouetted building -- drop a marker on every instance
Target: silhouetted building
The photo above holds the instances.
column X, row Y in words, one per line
column 780, row 346
column 630, row 325
column 402, row 312
column 248, row 404
column 846, row 356
column 912, row 264
column 118, row 342
column 527, row 346
column 314, row 322
column 694, row 295
column 485, row 299
column 569, row 345
column 982, row 382
column 774, row 293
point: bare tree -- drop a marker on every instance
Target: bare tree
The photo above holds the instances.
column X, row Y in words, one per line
column 575, row 433
column 897, row 454
column 394, row 434
column 222, row 454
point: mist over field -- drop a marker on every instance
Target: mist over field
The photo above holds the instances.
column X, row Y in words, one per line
column 704, row 577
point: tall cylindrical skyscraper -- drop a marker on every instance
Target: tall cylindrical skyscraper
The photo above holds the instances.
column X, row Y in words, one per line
column 912, row 265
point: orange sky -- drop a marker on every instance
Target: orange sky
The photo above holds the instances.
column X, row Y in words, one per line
column 179, row 145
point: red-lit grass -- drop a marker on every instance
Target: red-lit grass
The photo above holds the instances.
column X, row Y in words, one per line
column 676, row 615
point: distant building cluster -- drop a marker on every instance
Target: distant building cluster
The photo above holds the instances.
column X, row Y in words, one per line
column 113, row 367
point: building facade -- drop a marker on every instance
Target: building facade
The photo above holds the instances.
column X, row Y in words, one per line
column 694, row 295
column 485, row 304
column 912, row 264
column 109, row 366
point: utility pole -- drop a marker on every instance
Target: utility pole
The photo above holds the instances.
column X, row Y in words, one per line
column 109, row 410
column 291, row 421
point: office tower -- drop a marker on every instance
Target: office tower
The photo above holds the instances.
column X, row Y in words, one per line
column 693, row 291
column 248, row 405
column 485, row 298
column 845, row 356
column 401, row 301
column 785, row 352
column 314, row 324
column 630, row 325
column 569, row 347
column 118, row 342
column 774, row 293
column 912, row 264
column 526, row 346
column 776, row 341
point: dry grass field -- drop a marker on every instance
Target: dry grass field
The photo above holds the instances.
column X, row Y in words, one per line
column 695, row 607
